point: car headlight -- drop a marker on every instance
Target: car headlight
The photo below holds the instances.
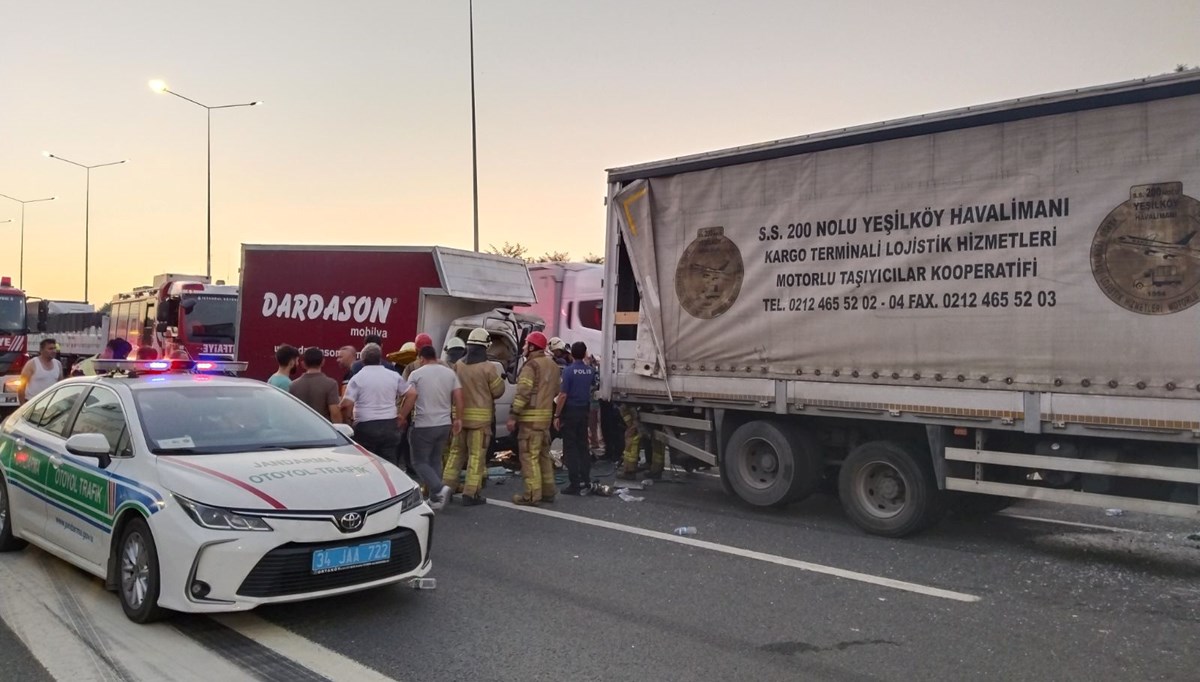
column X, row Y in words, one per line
column 412, row 500
column 220, row 519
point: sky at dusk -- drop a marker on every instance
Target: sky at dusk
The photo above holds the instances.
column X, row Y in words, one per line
column 364, row 135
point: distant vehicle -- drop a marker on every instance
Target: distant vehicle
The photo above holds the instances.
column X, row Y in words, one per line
column 335, row 296
column 77, row 328
column 13, row 342
column 570, row 298
column 204, row 493
column 178, row 316
column 925, row 310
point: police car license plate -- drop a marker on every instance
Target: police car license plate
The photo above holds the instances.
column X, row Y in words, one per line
column 341, row 558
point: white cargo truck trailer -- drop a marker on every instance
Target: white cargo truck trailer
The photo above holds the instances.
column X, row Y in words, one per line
column 961, row 308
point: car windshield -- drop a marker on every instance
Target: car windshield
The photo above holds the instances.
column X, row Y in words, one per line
column 209, row 318
column 12, row 315
column 199, row 419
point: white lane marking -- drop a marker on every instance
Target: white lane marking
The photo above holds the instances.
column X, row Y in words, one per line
column 307, row 653
column 71, row 624
column 749, row 554
column 1075, row 524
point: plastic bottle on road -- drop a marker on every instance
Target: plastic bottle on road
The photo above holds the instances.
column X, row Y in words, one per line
column 684, row 531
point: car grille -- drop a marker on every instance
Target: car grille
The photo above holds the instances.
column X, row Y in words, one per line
column 288, row 569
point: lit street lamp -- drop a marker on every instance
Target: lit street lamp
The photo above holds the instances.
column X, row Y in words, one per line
column 22, row 202
column 160, row 86
column 87, row 208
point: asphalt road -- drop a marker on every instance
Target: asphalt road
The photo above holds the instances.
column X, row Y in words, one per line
column 594, row 590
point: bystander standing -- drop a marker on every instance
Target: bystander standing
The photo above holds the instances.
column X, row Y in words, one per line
column 435, row 400
column 371, row 398
column 315, row 389
column 286, row 357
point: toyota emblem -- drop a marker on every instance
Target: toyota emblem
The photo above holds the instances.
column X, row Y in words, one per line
column 350, row 522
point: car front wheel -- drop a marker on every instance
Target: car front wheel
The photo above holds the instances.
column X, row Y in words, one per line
column 137, row 581
column 8, row 541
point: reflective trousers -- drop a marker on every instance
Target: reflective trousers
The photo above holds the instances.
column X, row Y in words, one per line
column 537, row 469
column 633, row 445
column 469, row 448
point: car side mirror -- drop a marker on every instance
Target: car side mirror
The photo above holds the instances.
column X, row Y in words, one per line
column 94, row 445
column 344, row 429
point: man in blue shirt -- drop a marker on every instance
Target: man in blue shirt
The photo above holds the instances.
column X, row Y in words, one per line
column 571, row 419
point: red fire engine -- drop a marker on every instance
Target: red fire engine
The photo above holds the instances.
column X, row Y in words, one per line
column 179, row 316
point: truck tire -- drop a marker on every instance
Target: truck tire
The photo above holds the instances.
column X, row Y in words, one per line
column 888, row 489
column 767, row 464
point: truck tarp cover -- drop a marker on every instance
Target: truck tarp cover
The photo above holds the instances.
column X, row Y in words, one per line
column 1061, row 247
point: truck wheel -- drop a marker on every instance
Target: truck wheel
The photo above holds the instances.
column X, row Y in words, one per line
column 8, row 542
column 887, row 489
column 767, row 464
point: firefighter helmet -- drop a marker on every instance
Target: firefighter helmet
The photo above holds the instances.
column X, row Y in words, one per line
column 537, row 340
column 423, row 340
column 557, row 344
column 455, row 342
column 479, row 337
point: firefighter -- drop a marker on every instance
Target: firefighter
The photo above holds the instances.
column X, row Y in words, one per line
column 633, row 444
column 420, row 342
column 481, row 386
column 454, row 351
column 533, row 408
column 559, row 351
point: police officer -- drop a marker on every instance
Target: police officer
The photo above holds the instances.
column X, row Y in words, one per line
column 533, row 408
column 481, row 386
column 571, row 419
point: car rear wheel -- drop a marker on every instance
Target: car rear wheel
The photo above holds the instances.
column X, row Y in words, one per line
column 138, row 580
column 8, row 542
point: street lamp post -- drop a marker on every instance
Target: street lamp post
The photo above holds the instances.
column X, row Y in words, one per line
column 22, row 202
column 159, row 86
column 87, row 208
column 474, row 153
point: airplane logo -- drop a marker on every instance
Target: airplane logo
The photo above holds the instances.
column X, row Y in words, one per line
column 1153, row 246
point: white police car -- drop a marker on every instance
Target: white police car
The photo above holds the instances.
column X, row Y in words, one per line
column 201, row 493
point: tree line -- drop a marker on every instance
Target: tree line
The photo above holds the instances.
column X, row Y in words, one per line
column 518, row 250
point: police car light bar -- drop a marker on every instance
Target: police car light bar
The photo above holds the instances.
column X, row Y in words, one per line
column 176, row 365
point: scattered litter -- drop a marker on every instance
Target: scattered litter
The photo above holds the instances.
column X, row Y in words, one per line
column 684, row 531
column 1114, row 512
column 628, row 485
column 647, row 482
column 602, row 489
column 626, row 497
column 883, row 599
column 423, row 583
column 1194, row 536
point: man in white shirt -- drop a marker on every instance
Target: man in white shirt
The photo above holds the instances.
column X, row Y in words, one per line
column 372, row 397
column 40, row 372
column 436, row 394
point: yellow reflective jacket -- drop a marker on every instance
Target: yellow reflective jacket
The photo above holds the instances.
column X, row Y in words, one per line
column 481, row 385
column 537, row 387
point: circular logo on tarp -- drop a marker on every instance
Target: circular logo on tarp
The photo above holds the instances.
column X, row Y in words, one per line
column 708, row 278
column 1146, row 253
